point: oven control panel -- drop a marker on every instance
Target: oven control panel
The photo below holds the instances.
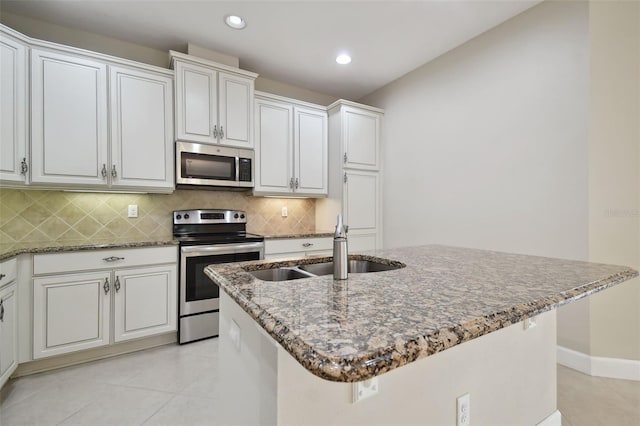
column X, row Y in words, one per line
column 210, row 216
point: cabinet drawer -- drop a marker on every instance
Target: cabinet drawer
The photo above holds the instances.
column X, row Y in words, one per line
column 8, row 272
column 296, row 245
column 53, row 263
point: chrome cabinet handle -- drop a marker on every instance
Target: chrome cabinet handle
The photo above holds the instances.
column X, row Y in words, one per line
column 104, row 170
column 24, row 168
column 345, row 177
column 345, row 157
column 2, row 276
column 291, row 183
column 114, row 172
column 221, row 132
column 112, row 258
column 297, row 183
column 1, row 310
column 215, row 131
column 116, row 285
column 106, row 285
column 307, row 244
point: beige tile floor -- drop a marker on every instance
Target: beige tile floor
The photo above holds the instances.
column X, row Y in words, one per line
column 177, row 385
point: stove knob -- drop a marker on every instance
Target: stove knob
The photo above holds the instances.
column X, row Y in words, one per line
column 236, row 215
column 178, row 217
column 241, row 216
column 186, row 216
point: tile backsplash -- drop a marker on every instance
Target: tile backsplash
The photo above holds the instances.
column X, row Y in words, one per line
column 40, row 216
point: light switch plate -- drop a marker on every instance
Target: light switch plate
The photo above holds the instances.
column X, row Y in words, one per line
column 132, row 210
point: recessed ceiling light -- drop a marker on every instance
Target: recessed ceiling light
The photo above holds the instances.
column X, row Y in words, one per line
column 235, row 22
column 343, row 59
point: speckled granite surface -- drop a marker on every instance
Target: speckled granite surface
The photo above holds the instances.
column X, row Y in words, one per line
column 9, row 250
column 371, row 323
column 307, row 235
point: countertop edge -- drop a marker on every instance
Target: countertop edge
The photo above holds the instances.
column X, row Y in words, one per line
column 82, row 247
column 364, row 367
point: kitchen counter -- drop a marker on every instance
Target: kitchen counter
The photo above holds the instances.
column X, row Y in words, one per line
column 318, row 234
column 353, row 330
column 10, row 250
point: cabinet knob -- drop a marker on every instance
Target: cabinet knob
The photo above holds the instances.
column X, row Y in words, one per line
column 215, row 131
column 114, row 172
column 104, row 170
column 112, row 258
column 24, row 168
column 116, row 285
column 307, row 244
column 106, row 285
column 221, row 132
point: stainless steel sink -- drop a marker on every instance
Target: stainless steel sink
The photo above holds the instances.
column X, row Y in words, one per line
column 318, row 269
column 354, row 266
column 280, row 274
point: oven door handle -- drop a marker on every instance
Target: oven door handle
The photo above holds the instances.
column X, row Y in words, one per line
column 200, row 250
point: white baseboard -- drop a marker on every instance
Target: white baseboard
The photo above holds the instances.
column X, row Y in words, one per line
column 613, row 368
column 555, row 419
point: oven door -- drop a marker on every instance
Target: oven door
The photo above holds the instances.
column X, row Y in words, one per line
column 197, row 292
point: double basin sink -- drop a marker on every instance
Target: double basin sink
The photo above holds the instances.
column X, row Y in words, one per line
column 318, row 269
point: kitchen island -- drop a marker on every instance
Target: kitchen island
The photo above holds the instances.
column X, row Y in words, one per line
column 452, row 318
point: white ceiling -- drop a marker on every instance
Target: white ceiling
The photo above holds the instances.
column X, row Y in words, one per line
column 294, row 42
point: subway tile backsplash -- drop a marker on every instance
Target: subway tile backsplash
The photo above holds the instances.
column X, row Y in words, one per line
column 41, row 216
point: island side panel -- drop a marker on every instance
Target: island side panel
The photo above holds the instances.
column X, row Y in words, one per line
column 510, row 375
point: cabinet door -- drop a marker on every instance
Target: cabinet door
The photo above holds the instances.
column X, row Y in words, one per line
column 13, row 110
column 8, row 332
column 141, row 129
column 70, row 313
column 236, row 110
column 311, row 151
column 361, row 203
column 196, row 103
column 145, row 302
column 274, row 144
column 68, row 119
column 361, row 130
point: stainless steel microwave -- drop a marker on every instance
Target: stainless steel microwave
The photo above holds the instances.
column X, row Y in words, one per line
column 212, row 165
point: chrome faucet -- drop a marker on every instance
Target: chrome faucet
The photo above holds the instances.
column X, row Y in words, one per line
column 340, row 252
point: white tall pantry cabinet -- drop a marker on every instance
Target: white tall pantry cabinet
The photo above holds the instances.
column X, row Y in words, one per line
column 355, row 189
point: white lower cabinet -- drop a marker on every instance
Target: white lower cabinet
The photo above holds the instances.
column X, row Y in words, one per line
column 83, row 310
column 145, row 302
column 298, row 247
column 70, row 313
column 8, row 332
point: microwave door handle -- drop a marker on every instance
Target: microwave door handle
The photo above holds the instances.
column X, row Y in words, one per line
column 237, row 169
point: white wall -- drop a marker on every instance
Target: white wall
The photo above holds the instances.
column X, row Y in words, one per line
column 486, row 146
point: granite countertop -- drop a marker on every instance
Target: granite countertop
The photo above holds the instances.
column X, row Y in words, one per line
column 353, row 330
column 10, row 250
column 317, row 234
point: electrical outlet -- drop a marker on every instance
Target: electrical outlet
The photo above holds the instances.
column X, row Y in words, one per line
column 132, row 210
column 464, row 410
column 285, row 213
column 362, row 390
column 529, row 323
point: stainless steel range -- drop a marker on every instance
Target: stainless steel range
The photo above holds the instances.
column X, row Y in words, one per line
column 207, row 237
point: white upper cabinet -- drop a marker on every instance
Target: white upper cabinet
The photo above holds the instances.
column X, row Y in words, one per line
column 291, row 147
column 311, row 151
column 68, row 119
column 214, row 102
column 360, row 138
column 141, row 129
column 14, row 157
